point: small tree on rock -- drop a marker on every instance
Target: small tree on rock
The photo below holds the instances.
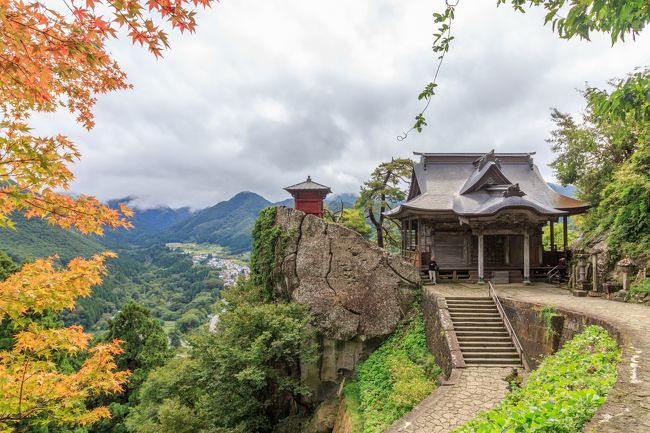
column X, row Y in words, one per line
column 387, row 186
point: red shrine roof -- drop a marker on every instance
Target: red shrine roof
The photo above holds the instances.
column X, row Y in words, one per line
column 474, row 184
column 308, row 185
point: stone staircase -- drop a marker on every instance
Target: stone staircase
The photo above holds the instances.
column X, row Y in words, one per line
column 482, row 336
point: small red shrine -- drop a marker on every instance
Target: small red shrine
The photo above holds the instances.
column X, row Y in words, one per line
column 308, row 196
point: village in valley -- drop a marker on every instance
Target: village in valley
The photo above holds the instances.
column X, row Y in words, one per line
column 230, row 267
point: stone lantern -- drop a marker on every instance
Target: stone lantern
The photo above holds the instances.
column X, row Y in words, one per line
column 626, row 267
column 581, row 277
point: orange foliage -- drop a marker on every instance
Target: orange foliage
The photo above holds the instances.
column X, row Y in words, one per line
column 53, row 56
column 31, row 386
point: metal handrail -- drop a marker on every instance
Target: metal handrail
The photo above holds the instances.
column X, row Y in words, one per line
column 509, row 328
column 551, row 271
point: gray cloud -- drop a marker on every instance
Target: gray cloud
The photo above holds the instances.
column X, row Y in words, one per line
column 267, row 92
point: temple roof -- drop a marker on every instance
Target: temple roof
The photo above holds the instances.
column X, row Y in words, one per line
column 308, row 185
column 473, row 184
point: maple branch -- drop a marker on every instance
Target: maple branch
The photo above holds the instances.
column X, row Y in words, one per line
column 36, row 29
column 22, row 386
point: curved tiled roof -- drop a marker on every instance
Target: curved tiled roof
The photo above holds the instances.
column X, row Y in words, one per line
column 472, row 184
column 308, row 185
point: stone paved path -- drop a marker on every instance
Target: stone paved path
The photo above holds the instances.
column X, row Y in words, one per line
column 628, row 406
column 476, row 389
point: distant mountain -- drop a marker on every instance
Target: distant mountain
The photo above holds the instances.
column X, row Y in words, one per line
column 147, row 223
column 569, row 190
column 228, row 223
column 334, row 201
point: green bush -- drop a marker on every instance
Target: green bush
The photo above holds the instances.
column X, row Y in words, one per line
column 562, row 395
column 394, row 378
column 642, row 287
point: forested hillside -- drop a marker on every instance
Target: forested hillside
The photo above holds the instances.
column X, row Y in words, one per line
column 176, row 291
column 35, row 238
column 168, row 283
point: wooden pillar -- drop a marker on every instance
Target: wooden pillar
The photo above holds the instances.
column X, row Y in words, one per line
column 594, row 272
column 526, row 257
column 552, row 236
column 565, row 232
column 481, row 270
column 506, row 250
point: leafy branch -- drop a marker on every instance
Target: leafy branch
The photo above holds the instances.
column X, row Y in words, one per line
column 441, row 43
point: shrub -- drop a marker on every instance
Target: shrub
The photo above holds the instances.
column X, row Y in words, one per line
column 562, row 395
column 641, row 287
column 394, row 378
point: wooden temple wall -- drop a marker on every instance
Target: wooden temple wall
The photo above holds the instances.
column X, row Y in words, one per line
column 455, row 247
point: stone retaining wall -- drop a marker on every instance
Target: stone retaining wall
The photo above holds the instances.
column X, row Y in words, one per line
column 441, row 337
column 538, row 342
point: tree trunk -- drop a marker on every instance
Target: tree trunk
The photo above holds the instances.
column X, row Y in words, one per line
column 378, row 228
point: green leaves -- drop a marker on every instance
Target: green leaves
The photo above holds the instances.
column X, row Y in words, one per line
column 242, row 378
column 394, row 378
column 607, row 156
column 582, row 17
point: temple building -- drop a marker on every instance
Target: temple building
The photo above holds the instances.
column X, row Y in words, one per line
column 308, row 196
column 481, row 216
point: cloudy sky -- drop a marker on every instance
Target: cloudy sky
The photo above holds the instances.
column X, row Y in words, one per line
column 267, row 92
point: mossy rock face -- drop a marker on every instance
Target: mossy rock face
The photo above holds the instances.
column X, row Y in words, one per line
column 324, row 417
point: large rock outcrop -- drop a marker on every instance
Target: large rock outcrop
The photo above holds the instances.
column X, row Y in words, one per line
column 356, row 291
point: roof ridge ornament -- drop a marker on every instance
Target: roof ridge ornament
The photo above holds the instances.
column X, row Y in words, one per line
column 488, row 157
column 513, row 191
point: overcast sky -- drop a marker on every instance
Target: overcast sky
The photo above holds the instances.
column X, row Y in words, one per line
column 267, row 92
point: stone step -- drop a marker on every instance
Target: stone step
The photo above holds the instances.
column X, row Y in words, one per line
column 469, row 322
column 486, row 302
column 492, row 355
column 474, row 327
column 463, row 315
column 479, row 325
column 487, row 348
column 463, row 333
column 477, row 306
column 482, row 343
column 457, row 311
column 490, row 360
column 467, row 298
column 485, row 312
column 496, row 365
column 483, row 338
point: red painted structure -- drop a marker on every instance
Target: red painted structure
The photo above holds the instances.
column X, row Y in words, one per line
column 308, row 196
